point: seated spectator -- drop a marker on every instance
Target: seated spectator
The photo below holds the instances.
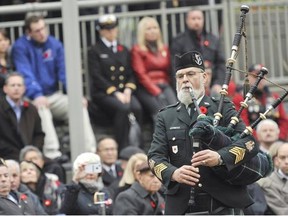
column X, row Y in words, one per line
column 275, row 186
column 142, row 198
column 150, row 60
column 267, row 132
column 37, row 52
column 46, row 186
column 20, row 124
column 78, row 198
column 128, row 177
column 31, row 153
column 11, row 202
column 17, row 186
column 107, row 149
column 5, row 61
column 112, row 81
column 273, row 150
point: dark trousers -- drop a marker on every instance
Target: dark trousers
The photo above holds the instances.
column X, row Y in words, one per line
column 206, row 205
column 119, row 113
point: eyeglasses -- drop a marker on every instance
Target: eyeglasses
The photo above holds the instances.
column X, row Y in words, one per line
column 189, row 74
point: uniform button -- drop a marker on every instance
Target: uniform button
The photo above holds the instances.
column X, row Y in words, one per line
column 112, row 77
column 121, row 85
column 173, row 138
column 112, row 68
column 121, row 68
column 89, row 204
column 199, row 185
column 121, row 77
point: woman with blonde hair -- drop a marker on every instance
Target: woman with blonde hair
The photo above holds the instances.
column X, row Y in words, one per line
column 128, row 177
column 150, row 60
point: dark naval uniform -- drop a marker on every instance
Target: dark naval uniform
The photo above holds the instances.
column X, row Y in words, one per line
column 210, row 48
column 172, row 147
column 111, row 72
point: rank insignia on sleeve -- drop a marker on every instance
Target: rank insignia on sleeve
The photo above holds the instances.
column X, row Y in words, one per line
column 250, row 145
column 158, row 170
column 238, row 152
column 151, row 163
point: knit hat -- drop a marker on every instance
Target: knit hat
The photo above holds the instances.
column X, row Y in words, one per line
column 128, row 151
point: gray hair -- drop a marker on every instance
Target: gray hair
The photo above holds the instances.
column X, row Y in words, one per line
column 13, row 163
column 27, row 149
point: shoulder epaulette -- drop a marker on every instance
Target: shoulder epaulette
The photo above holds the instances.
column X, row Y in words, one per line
column 169, row 106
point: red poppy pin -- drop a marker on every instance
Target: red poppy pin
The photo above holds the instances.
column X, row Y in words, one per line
column 119, row 48
column 203, row 110
column 25, row 104
column 120, row 173
column 153, row 204
column 47, row 202
column 23, row 197
column 206, row 43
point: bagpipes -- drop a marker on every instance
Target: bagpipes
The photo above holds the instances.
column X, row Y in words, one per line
column 207, row 134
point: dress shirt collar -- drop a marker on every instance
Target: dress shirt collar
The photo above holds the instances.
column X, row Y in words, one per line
column 282, row 175
column 16, row 108
column 108, row 43
column 107, row 168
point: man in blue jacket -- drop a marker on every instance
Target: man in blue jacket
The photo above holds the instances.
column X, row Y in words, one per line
column 40, row 58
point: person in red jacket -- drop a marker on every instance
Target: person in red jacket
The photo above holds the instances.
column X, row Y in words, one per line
column 151, row 63
column 263, row 97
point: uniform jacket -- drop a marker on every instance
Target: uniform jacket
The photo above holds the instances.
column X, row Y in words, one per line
column 25, row 205
column 79, row 201
column 151, row 68
column 172, row 147
column 276, row 192
column 109, row 71
column 136, row 201
column 108, row 179
column 43, row 65
column 14, row 136
column 209, row 47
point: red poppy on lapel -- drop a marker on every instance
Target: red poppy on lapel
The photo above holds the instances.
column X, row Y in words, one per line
column 203, row 110
column 153, row 204
column 47, row 202
column 120, row 173
column 25, row 104
column 23, row 197
column 119, row 48
column 206, row 43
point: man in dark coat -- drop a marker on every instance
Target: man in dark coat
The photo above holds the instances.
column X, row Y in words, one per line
column 191, row 179
column 112, row 82
column 196, row 38
column 20, row 124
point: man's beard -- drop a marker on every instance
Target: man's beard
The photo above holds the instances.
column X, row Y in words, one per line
column 185, row 96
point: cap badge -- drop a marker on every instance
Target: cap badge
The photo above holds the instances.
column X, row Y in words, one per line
column 198, row 59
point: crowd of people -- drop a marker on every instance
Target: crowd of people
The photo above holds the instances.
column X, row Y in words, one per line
column 115, row 175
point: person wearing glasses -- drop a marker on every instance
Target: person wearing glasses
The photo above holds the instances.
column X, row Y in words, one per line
column 191, row 174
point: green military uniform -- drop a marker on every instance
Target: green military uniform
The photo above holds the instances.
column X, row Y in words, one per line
column 172, row 147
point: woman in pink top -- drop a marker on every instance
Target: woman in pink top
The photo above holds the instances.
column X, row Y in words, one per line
column 151, row 64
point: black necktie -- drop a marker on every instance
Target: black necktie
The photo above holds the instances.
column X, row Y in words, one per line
column 112, row 48
column 192, row 109
column 111, row 173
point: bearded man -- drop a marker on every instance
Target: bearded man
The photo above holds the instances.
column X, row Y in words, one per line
column 193, row 182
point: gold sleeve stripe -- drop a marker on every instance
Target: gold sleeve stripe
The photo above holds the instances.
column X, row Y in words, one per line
column 110, row 90
column 130, row 85
column 238, row 152
column 158, row 170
